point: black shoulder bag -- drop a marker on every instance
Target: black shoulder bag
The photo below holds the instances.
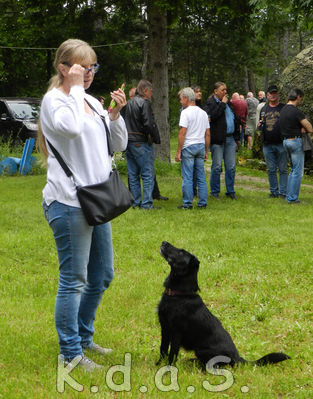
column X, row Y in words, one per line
column 103, row 201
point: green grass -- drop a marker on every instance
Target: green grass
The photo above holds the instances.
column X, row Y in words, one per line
column 255, row 275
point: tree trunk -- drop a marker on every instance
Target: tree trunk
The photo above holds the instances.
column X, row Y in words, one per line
column 145, row 60
column 285, row 52
column 251, row 84
column 159, row 76
column 300, row 40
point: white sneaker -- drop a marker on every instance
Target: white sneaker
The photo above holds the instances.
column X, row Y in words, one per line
column 98, row 349
column 84, row 362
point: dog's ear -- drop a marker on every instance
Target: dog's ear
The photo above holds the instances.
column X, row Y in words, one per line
column 194, row 262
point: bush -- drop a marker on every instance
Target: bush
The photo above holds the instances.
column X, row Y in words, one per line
column 257, row 147
column 10, row 149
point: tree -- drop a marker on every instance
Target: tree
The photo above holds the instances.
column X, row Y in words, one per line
column 245, row 43
column 159, row 75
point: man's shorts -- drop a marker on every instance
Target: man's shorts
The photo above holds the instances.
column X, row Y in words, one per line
column 250, row 128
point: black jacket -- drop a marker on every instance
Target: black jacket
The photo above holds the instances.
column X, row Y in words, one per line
column 218, row 126
column 140, row 121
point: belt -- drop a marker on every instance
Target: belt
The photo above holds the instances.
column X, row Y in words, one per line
column 292, row 138
column 137, row 133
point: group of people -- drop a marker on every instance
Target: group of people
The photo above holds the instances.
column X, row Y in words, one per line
column 73, row 122
column 219, row 126
column 282, row 127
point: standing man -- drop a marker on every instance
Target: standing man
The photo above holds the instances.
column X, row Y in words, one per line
column 132, row 92
column 252, row 104
column 273, row 149
column 225, row 139
column 156, row 191
column 142, row 133
column 261, row 95
column 192, row 149
column 293, row 124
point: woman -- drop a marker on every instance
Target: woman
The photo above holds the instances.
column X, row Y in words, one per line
column 85, row 252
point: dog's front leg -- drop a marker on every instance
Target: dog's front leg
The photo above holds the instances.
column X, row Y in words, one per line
column 175, row 345
column 165, row 342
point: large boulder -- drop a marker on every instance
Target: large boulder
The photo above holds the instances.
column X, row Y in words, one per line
column 299, row 73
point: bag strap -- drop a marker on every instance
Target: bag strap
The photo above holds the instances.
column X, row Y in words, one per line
column 108, row 134
column 66, row 169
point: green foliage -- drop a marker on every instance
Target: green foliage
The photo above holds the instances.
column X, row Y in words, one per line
column 47, row 23
column 174, row 108
column 9, row 148
column 257, row 146
column 208, row 41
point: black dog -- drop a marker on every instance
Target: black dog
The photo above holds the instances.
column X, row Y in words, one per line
column 186, row 321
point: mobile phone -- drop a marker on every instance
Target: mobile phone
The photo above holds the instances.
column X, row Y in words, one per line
column 113, row 103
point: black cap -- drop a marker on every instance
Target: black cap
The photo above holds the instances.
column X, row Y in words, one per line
column 272, row 88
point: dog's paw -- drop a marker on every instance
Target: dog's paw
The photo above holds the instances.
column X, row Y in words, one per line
column 160, row 360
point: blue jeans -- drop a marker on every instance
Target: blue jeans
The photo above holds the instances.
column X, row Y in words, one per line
column 85, row 271
column 226, row 151
column 192, row 164
column 296, row 155
column 140, row 163
column 242, row 133
column 276, row 157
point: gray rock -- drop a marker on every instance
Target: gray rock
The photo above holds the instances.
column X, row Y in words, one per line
column 299, row 73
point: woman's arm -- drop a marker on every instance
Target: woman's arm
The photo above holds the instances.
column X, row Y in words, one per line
column 119, row 134
column 61, row 114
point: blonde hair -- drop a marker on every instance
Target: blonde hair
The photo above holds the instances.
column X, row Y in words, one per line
column 72, row 51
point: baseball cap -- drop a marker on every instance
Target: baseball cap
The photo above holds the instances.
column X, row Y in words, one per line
column 272, row 88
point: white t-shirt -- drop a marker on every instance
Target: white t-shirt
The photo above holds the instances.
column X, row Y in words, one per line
column 196, row 121
column 257, row 114
column 80, row 139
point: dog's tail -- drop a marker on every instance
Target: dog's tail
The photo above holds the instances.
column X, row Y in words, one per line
column 271, row 358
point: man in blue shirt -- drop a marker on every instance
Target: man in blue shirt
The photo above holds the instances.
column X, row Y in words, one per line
column 225, row 139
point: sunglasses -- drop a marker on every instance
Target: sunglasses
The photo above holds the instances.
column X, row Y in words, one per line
column 94, row 69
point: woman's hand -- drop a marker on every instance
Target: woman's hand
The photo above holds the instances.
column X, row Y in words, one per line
column 75, row 75
column 120, row 99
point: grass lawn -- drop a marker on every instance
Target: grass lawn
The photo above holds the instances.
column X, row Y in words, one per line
column 255, row 274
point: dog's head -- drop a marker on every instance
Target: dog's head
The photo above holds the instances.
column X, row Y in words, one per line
column 184, row 268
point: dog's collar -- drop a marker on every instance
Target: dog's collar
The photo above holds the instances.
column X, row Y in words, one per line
column 170, row 292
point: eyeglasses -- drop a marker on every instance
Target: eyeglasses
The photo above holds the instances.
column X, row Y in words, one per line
column 94, row 69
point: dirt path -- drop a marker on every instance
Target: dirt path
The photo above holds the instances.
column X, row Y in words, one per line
column 253, row 182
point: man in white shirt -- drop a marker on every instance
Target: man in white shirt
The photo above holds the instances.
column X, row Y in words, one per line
column 192, row 149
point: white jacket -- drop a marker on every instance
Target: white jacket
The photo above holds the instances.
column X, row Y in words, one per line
column 80, row 139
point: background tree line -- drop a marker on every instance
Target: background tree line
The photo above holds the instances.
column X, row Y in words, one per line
column 246, row 43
